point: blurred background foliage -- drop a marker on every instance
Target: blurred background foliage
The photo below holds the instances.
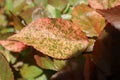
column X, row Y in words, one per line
column 29, row 64
column 15, row 14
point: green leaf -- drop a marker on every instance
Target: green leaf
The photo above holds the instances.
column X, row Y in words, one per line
column 53, row 12
column 57, row 38
column 5, row 35
column 41, row 2
column 6, row 30
column 59, row 64
column 60, row 4
column 18, row 5
column 8, row 55
column 44, row 62
column 3, row 21
column 9, row 5
column 5, row 70
column 89, row 20
column 42, row 77
column 30, row 71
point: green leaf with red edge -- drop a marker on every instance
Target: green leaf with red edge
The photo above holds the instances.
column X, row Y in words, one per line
column 46, row 62
column 88, row 19
column 103, row 4
column 5, row 70
column 57, row 38
column 13, row 46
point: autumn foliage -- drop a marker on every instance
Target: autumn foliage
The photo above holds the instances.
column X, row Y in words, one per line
column 63, row 40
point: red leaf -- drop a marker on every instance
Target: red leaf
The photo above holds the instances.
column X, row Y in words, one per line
column 14, row 46
column 106, row 52
column 112, row 16
column 90, row 70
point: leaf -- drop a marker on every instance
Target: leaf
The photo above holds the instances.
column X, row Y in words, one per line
column 59, row 64
column 8, row 55
column 57, row 38
column 42, row 77
column 89, row 20
column 90, row 69
column 18, row 5
column 26, row 15
column 106, row 50
column 103, row 4
column 3, row 21
column 90, row 45
column 76, row 2
column 18, row 25
column 39, row 12
column 41, row 2
column 6, row 30
column 46, row 62
column 30, row 71
column 60, row 4
column 73, row 70
column 14, row 46
column 5, row 35
column 9, row 5
column 5, row 70
column 112, row 16
column 53, row 12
